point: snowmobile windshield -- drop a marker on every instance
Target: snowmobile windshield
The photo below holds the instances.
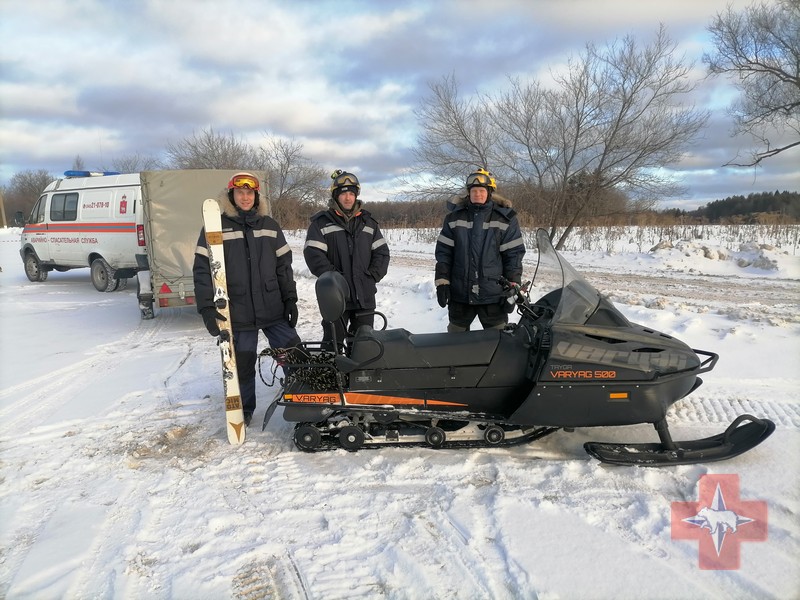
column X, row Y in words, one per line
column 559, row 283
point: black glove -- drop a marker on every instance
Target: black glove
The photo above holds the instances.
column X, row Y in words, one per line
column 443, row 294
column 290, row 312
column 210, row 317
column 511, row 293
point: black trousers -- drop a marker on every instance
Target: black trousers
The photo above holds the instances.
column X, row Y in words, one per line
column 490, row 315
column 279, row 335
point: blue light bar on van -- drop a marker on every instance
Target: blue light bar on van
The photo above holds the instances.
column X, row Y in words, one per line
column 90, row 173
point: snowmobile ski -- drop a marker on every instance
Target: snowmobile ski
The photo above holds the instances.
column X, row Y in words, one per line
column 234, row 413
column 735, row 440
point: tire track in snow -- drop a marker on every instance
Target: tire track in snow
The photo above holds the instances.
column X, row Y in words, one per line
column 56, row 457
column 272, row 578
column 506, row 577
column 276, row 489
column 47, row 393
column 700, row 408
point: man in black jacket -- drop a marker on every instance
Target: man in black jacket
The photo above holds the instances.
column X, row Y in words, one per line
column 347, row 239
column 480, row 241
column 261, row 287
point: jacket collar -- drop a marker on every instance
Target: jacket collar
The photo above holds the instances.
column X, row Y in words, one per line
column 463, row 202
column 498, row 202
column 228, row 208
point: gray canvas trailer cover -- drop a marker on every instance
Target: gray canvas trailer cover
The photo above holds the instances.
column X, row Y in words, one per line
column 172, row 202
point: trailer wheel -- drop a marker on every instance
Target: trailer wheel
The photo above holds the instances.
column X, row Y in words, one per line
column 103, row 276
column 435, row 436
column 351, row 438
column 33, row 268
column 146, row 308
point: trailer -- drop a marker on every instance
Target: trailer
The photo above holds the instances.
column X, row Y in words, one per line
column 172, row 204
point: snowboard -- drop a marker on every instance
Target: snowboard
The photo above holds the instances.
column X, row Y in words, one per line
column 234, row 414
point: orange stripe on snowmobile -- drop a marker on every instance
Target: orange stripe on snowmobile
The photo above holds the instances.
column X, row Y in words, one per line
column 357, row 398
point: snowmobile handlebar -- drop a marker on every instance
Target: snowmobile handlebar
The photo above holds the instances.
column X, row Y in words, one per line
column 512, row 288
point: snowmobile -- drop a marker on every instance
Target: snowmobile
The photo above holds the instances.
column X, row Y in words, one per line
column 572, row 360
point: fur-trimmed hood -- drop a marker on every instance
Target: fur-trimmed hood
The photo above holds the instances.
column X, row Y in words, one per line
column 229, row 209
column 462, row 201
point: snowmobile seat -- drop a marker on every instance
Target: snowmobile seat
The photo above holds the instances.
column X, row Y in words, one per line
column 332, row 295
column 399, row 349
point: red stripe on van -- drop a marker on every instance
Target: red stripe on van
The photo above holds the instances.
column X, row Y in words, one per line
column 92, row 228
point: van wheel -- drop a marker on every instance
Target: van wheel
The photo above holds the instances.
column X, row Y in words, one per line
column 33, row 268
column 123, row 283
column 103, row 276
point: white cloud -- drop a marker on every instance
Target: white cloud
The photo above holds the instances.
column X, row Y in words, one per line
column 100, row 78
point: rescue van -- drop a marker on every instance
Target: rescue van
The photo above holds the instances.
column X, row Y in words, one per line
column 144, row 224
column 84, row 220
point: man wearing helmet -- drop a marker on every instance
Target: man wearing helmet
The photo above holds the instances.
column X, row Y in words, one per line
column 480, row 241
column 347, row 239
column 261, row 287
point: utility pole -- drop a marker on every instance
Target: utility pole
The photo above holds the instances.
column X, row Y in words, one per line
column 3, row 222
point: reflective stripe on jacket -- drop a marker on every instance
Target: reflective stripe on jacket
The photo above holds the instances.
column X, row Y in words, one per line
column 477, row 244
column 258, row 262
column 356, row 248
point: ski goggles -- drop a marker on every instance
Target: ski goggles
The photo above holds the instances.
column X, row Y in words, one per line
column 481, row 179
column 346, row 179
column 243, row 181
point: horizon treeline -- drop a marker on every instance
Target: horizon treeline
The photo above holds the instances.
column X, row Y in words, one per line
column 778, row 207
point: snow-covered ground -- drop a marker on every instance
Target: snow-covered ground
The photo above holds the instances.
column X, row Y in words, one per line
column 118, row 480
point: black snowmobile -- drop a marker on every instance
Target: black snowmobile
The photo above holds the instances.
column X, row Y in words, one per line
column 572, row 360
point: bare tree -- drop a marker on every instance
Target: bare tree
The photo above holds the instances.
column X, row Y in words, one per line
column 292, row 175
column 760, row 48
column 134, row 163
column 211, row 150
column 23, row 191
column 78, row 164
column 614, row 117
column 293, row 185
column 456, row 137
column 627, row 119
column 294, row 181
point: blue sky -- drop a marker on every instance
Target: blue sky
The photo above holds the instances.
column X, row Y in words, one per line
column 105, row 79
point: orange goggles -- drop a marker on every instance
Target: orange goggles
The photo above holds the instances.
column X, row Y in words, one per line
column 243, row 181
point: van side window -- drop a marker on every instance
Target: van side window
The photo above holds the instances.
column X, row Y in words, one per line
column 64, row 207
column 37, row 213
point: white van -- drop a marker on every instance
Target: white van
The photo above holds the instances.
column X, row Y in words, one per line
column 86, row 220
